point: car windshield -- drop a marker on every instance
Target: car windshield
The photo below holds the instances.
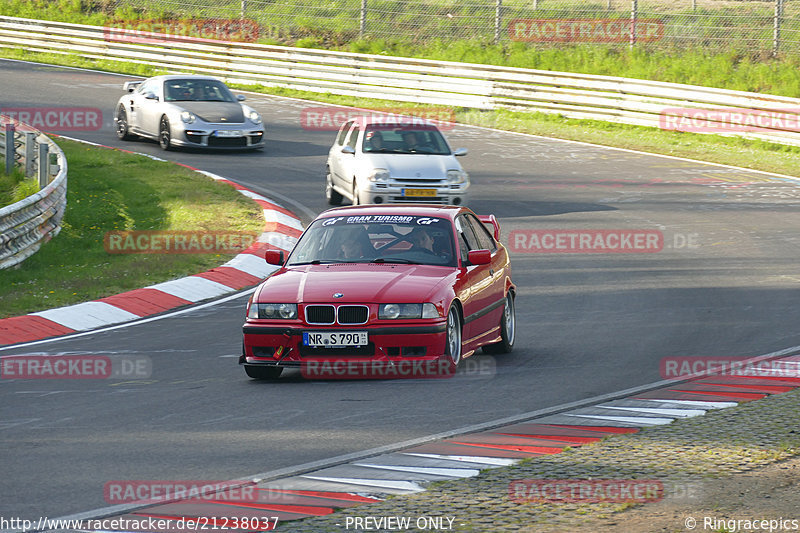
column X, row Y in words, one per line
column 397, row 239
column 185, row 90
column 385, row 138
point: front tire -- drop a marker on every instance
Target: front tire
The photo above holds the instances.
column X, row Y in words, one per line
column 453, row 346
column 333, row 196
column 263, row 372
column 123, row 132
column 508, row 329
column 164, row 134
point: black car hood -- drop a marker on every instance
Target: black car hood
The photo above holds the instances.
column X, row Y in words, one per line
column 216, row 112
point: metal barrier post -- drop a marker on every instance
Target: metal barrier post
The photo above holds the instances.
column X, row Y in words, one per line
column 776, row 27
column 634, row 15
column 362, row 21
column 498, row 20
column 9, row 140
column 30, row 153
column 44, row 162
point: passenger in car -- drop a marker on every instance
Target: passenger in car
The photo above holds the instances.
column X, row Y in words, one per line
column 356, row 245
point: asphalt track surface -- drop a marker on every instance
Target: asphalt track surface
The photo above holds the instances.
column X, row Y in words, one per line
column 588, row 324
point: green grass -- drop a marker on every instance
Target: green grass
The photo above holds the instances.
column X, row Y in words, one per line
column 14, row 187
column 140, row 194
column 337, row 22
column 732, row 65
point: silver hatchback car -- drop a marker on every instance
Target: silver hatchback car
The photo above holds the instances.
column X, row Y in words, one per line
column 374, row 161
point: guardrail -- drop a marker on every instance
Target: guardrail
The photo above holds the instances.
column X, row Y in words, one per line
column 583, row 96
column 29, row 223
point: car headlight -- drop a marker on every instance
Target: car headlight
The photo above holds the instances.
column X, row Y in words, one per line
column 272, row 311
column 456, row 176
column 379, row 174
column 400, row 311
column 188, row 117
column 254, row 117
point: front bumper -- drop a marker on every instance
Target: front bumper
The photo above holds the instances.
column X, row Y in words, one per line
column 394, row 193
column 407, row 350
column 209, row 137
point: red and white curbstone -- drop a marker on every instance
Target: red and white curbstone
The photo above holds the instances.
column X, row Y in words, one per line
column 282, row 228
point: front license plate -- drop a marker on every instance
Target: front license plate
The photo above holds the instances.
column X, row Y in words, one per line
column 335, row 339
column 229, row 133
column 419, row 192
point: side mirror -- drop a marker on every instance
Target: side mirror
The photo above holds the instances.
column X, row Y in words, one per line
column 479, row 257
column 458, row 152
column 241, row 97
column 150, row 96
column 274, row 257
column 348, row 150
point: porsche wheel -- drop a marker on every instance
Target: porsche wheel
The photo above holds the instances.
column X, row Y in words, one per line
column 453, row 348
column 164, row 134
column 333, row 197
column 123, row 133
column 508, row 329
column 263, row 372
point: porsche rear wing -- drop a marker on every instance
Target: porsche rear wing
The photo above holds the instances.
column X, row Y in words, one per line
column 130, row 86
column 491, row 219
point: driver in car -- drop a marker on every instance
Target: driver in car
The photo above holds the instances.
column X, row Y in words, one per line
column 422, row 240
column 375, row 141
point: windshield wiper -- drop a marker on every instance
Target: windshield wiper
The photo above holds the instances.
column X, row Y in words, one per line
column 314, row 262
column 397, row 260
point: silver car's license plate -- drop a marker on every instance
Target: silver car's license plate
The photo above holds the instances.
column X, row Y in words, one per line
column 335, row 339
column 229, row 133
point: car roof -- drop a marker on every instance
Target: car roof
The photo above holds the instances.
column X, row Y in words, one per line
column 442, row 211
column 170, row 77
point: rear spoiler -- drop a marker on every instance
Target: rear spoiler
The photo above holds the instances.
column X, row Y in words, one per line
column 491, row 219
column 130, row 86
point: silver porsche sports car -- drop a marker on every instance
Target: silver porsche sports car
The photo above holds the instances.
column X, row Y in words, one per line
column 189, row 111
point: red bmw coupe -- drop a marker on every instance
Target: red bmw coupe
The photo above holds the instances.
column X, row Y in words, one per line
column 383, row 291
